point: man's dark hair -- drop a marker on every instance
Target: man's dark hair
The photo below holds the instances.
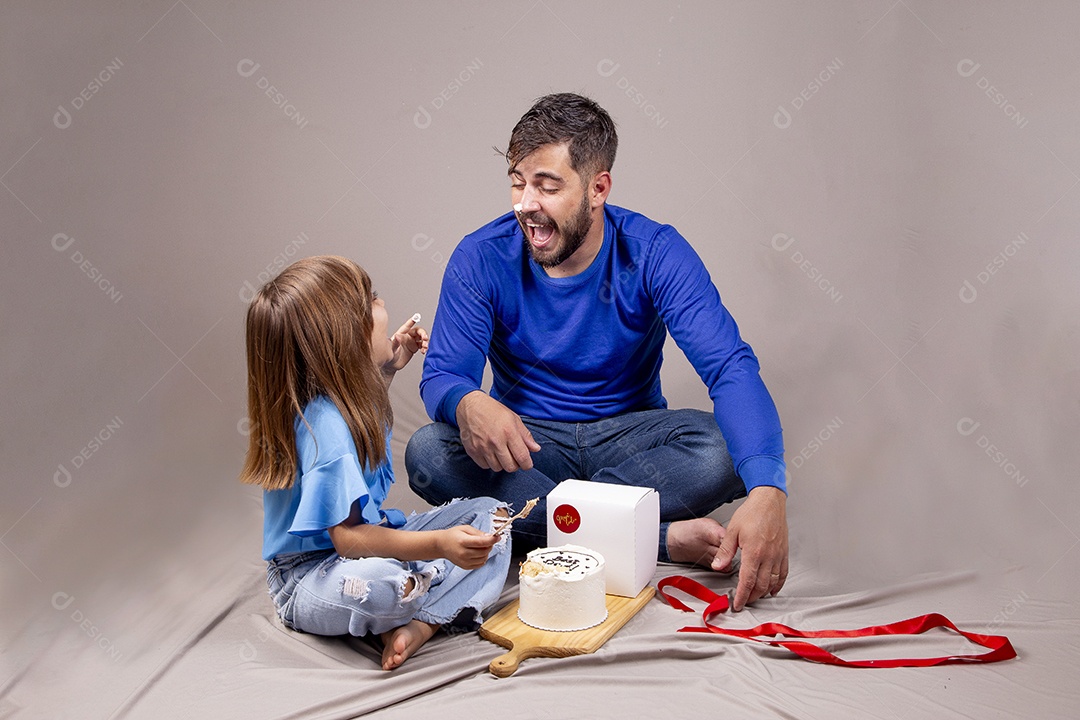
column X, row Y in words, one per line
column 567, row 117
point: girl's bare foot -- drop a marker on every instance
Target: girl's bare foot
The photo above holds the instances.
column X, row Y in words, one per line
column 694, row 541
column 400, row 643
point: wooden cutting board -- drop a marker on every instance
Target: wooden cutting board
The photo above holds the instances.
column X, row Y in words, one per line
column 504, row 628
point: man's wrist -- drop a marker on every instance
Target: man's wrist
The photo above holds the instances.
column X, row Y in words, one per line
column 466, row 403
column 447, row 406
column 764, row 490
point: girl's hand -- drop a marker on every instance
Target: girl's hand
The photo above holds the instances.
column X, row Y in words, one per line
column 465, row 546
column 409, row 339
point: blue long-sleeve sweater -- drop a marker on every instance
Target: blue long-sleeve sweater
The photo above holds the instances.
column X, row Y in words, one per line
column 586, row 347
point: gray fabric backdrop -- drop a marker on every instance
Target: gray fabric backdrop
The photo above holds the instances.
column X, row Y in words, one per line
column 884, row 192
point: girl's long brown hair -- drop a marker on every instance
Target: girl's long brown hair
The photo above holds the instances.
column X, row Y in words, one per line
column 309, row 333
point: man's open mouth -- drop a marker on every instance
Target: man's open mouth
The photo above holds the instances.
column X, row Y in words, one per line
column 540, row 234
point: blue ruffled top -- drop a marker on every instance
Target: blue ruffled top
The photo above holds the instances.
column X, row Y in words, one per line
column 329, row 481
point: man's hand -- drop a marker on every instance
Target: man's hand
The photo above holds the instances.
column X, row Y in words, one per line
column 493, row 434
column 759, row 527
column 465, row 546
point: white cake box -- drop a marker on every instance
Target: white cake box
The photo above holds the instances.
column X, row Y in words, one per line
column 620, row 522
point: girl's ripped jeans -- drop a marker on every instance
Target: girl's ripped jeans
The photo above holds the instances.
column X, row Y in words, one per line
column 323, row 593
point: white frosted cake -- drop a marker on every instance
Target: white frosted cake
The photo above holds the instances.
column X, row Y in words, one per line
column 562, row 588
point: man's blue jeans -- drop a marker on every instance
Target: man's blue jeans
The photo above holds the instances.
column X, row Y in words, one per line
column 679, row 453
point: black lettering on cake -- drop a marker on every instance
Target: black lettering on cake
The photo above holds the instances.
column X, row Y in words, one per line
column 569, row 560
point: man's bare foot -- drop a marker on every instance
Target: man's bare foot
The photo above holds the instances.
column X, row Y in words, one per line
column 400, row 643
column 694, row 541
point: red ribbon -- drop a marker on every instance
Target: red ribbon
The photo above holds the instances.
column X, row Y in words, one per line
column 998, row 646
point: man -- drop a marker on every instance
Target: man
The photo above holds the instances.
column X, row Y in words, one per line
column 570, row 299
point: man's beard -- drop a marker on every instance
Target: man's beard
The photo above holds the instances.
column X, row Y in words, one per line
column 572, row 237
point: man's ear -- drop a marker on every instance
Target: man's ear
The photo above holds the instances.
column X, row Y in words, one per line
column 599, row 189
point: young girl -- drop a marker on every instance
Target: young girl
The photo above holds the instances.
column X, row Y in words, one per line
column 319, row 365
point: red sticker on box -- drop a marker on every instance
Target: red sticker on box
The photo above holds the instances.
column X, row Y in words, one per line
column 567, row 518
